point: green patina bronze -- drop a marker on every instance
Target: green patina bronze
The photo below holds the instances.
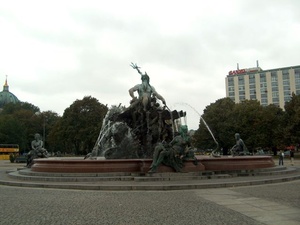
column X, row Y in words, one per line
column 173, row 154
column 144, row 130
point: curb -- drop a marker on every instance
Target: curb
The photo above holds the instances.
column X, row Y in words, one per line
column 138, row 183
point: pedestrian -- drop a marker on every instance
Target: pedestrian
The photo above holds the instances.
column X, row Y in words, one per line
column 281, row 156
column 292, row 157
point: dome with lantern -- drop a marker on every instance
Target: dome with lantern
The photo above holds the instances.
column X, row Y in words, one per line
column 6, row 96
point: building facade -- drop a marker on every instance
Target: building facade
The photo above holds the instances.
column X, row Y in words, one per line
column 274, row 86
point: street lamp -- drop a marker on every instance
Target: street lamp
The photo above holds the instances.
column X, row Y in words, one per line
column 44, row 131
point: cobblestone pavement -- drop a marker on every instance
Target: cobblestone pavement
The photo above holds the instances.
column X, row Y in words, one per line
column 252, row 205
column 243, row 205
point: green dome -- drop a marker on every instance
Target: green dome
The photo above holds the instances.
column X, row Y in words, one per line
column 6, row 96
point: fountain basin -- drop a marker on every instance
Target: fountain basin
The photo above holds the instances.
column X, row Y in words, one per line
column 230, row 163
column 205, row 163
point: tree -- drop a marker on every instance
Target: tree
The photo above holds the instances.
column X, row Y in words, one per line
column 247, row 119
column 218, row 118
column 11, row 108
column 79, row 127
column 29, row 121
column 273, row 126
column 12, row 131
column 292, row 128
column 22, row 112
column 258, row 126
column 44, row 123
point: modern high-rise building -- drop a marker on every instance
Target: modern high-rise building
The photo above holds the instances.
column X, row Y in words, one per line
column 273, row 86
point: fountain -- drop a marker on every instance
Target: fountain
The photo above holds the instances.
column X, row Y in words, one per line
column 147, row 137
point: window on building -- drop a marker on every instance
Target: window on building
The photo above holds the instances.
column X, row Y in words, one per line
column 230, row 81
column 275, row 101
column 263, row 90
column 285, row 76
column 286, row 83
column 286, row 71
column 264, row 95
column 263, row 85
column 274, row 84
column 297, row 81
column 287, row 98
column 262, row 77
column 274, row 79
column 264, row 101
column 231, row 89
column 252, row 79
column 241, row 81
column 252, row 86
column 274, row 74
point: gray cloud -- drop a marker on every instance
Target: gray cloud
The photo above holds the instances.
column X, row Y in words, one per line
column 55, row 53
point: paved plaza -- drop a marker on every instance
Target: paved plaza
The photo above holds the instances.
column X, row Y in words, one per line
column 260, row 204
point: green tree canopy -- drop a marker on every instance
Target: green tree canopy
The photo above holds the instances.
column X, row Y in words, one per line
column 12, row 131
column 79, row 127
column 23, row 113
column 258, row 126
column 12, row 108
column 292, row 119
column 213, row 115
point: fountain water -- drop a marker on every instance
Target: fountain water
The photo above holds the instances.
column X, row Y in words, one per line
column 130, row 133
column 216, row 151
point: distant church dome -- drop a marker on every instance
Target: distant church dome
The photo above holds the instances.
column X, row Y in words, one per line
column 6, row 96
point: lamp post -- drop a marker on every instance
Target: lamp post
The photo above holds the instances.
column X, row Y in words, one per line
column 44, row 131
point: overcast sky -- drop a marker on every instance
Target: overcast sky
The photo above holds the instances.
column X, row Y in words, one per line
column 55, row 52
